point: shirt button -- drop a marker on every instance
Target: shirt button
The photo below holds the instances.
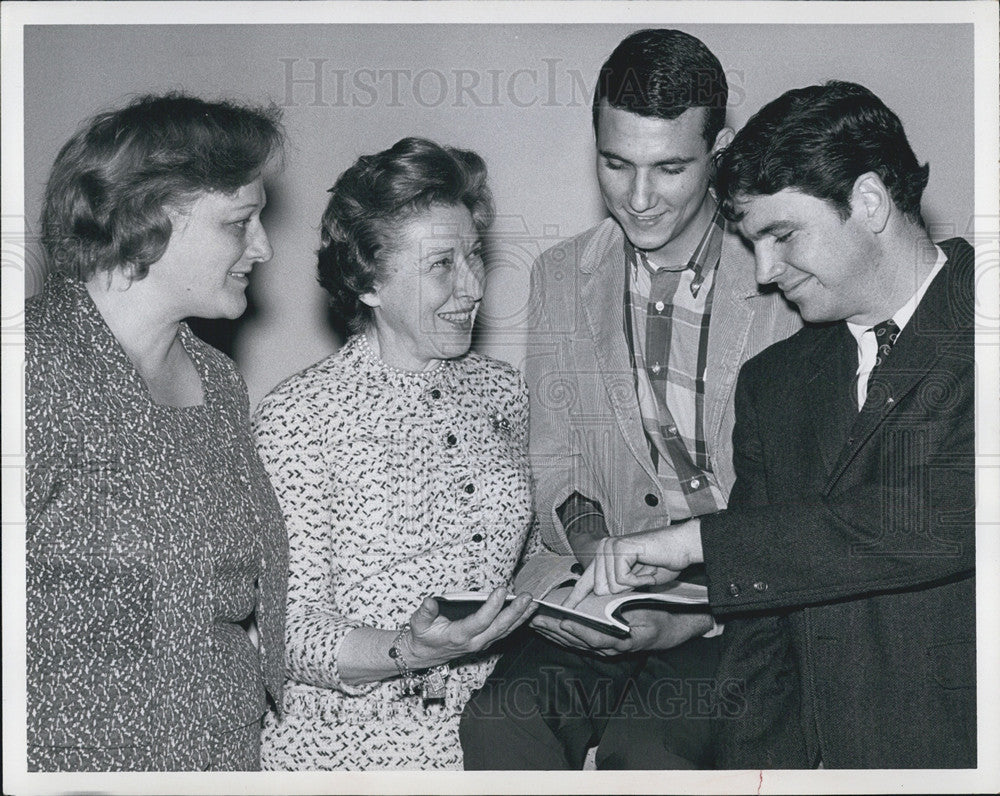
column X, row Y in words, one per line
column 652, row 500
column 477, row 537
column 760, row 586
column 469, row 488
column 695, row 483
column 734, row 590
column 435, row 393
column 452, row 439
column 659, row 306
column 656, row 367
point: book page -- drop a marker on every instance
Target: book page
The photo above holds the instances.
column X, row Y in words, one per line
column 542, row 573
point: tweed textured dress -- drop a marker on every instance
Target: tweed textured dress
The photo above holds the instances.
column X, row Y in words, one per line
column 394, row 486
column 152, row 533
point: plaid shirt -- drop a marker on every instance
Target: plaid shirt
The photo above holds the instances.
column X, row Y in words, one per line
column 667, row 315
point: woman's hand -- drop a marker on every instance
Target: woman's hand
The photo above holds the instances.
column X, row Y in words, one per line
column 640, row 559
column 435, row 640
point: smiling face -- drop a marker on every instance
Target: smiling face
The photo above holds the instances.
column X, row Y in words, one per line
column 425, row 306
column 826, row 265
column 215, row 243
column 654, row 175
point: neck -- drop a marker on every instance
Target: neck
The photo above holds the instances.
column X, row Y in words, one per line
column 907, row 258
column 395, row 358
column 135, row 318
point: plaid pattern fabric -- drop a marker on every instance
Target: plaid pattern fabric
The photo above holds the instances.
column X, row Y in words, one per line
column 667, row 316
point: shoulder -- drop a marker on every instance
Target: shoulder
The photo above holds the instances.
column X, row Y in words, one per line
column 591, row 244
column 308, row 389
column 961, row 261
column 58, row 347
column 491, row 373
column 735, row 248
column 48, row 316
column 785, row 358
column 959, row 252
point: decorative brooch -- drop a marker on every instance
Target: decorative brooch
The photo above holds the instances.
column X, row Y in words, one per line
column 500, row 423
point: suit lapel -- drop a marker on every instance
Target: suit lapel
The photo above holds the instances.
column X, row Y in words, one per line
column 915, row 353
column 602, row 291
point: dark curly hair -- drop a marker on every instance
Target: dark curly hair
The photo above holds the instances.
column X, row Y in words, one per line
column 112, row 183
column 372, row 198
column 819, row 140
column 662, row 73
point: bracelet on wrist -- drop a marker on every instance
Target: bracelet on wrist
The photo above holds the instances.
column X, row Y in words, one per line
column 430, row 685
column 396, row 653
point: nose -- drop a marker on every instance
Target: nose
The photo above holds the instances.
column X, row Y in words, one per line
column 470, row 279
column 640, row 197
column 259, row 249
column 767, row 265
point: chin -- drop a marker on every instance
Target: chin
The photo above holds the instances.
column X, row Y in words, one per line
column 816, row 315
column 456, row 349
column 646, row 240
column 232, row 311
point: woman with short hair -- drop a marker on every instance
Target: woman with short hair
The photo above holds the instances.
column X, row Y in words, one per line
column 156, row 552
column 399, row 463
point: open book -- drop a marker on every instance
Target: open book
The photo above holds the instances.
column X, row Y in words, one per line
column 549, row 579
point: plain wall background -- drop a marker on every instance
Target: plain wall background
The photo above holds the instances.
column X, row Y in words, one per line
column 517, row 94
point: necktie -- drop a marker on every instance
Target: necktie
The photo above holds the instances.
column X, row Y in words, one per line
column 885, row 335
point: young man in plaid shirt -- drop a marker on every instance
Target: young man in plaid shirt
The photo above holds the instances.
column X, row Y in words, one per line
column 639, row 328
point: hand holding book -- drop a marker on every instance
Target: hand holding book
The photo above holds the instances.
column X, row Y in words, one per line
column 549, row 579
column 649, row 629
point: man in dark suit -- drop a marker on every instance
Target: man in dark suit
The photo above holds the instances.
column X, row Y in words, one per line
column 845, row 561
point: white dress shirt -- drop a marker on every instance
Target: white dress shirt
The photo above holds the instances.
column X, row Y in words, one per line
column 865, row 335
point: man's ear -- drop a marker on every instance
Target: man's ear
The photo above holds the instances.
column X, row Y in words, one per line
column 871, row 202
column 722, row 140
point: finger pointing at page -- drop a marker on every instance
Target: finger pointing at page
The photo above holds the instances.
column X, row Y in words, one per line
column 584, row 586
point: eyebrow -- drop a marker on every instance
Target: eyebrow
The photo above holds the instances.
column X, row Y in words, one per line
column 436, row 252
column 770, row 229
column 249, row 206
column 679, row 161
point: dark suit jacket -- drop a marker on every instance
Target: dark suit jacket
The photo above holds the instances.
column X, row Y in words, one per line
column 846, row 562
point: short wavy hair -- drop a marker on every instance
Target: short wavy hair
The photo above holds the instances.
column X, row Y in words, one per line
column 112, row 184
column 661, row 73
column 373, row 197
column 818, row 140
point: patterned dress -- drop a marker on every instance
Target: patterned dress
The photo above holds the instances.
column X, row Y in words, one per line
column 394, row 486
column 152, row 534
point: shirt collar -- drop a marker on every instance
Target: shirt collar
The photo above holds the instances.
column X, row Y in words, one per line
column 903, row 314
column 706, row 254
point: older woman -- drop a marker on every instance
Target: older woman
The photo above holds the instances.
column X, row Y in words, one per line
column 399, row 463
column 156, row 551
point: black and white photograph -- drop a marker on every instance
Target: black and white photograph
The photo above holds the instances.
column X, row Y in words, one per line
column 506, row 397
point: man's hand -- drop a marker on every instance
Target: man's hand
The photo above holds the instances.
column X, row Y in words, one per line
column 639, row 559
column 651, row 630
